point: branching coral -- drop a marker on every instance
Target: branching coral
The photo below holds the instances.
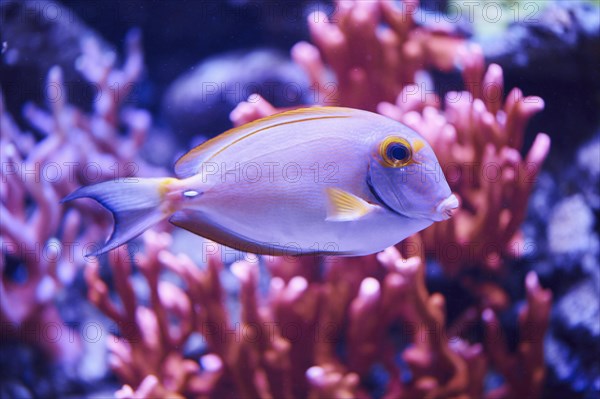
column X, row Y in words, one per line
column 147, row 354
column 30, row 236
column 327, row 327
column 76, row 149
column 27, row 310
column 288, row 344
column 372, row 62
column 437, row 370
column 478, row 138
column 525, row 370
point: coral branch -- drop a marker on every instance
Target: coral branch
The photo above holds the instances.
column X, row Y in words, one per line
column 147, row 354
column 523, row 371
column 437, row 370
column 46, row 243
column 287, row 344
column 478, row 140
column 374, row 49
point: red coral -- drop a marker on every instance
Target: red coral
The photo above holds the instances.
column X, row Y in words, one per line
column 437, row 370
column 372, row 62
column 147, row 355
column 525, row 370
column 478, row 138
column 286, row 345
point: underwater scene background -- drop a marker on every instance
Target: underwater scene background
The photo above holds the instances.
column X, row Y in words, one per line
column 501, row 301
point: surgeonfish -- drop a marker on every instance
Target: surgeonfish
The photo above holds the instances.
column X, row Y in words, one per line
column 323, row 180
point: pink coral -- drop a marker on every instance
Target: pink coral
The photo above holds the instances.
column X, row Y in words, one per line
column 372, row 62
column 76, row 149
column 525, row 370
column 285, row 345
column 478, row 138
column 475, row 132
column 147, row 355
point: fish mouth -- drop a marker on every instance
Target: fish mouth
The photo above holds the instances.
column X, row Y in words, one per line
column 445, row 209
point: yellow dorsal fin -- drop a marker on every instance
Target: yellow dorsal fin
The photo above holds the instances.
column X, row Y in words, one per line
column 189, row 164
column 344, row 207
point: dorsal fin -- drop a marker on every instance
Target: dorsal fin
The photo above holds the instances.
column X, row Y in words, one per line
column 189, row 164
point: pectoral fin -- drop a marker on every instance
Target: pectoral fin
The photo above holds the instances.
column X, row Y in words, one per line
column 345, row 207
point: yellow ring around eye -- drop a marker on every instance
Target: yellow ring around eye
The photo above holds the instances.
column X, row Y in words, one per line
column 387, row 160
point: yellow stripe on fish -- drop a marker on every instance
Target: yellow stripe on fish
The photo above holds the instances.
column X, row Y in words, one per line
column 188, row 164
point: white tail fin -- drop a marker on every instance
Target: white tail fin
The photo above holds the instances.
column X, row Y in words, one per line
column 136, row 205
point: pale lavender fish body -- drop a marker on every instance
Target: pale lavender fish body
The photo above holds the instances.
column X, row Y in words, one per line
column 326, row 180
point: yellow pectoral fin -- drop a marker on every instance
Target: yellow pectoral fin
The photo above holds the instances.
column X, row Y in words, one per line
column 345, row 207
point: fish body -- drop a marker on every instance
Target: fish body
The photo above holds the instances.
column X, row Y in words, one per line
column 325, row 180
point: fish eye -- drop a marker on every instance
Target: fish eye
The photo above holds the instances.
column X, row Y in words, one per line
column 395, row 152
column 398, row 152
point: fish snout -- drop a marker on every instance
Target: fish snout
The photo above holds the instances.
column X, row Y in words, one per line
column 445, row 209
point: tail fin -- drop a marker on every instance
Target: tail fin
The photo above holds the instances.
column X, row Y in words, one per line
column 135, row 205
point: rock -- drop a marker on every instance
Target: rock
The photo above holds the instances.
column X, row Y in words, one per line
column 547, row 33
column 26, row 373
column 579, row 310
column 570, row 227
column 552, row 50
column 199, row 102
column 573, row 346
column 569, row 264
column 588, row 163
column 14, row 390
column 93, row 367
column 39, row 35
column 541, row 199
column 562, row 364
column 176, row 38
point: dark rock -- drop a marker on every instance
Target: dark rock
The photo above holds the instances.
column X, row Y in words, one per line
column 39, row 35
column 14, row 390
column 199, row 102
column 563, row 222
column 544, row 195
column 562, row 365
column 569, row 370
column 25, row 372
column 570, row 252
column 559, row 33
column 573, row 349
column 588, row 165
column 553, row 54
column 178, row 35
